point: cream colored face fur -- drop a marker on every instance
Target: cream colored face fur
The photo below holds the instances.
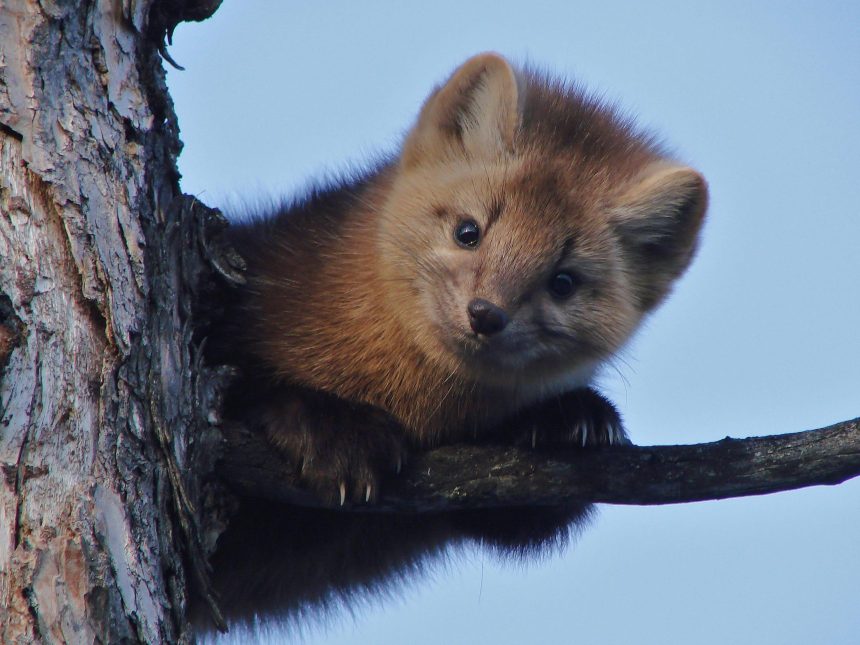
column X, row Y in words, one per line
column 526, row 239
column 539, row 215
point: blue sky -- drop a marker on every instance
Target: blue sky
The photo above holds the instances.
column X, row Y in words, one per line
column 760, row 337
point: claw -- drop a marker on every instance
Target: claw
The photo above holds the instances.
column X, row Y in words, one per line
column 342, row 493
column 399, row 465
column 584, row 426
column 534, row 437
column 367, row 491
column 610, row 433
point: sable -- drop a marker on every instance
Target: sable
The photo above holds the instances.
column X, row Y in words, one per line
column 443, row 313
column 468, row 287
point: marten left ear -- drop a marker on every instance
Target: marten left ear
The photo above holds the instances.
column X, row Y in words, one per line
column 474, row 114
column 658, row 221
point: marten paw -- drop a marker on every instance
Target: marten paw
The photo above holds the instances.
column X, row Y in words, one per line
column 342, row 451
column 580, row 418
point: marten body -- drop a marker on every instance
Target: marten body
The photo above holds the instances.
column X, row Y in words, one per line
column 468, row 287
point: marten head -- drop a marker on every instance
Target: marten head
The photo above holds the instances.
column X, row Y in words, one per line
column 529, row 228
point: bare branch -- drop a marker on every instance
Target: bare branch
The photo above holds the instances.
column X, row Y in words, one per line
column 465, row 476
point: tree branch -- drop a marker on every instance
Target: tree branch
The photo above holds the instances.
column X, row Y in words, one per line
column 465, row 476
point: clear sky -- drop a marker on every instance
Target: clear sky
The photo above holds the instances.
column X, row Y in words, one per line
column 762, row 336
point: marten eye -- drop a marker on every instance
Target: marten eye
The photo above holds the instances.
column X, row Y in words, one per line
column 467, row 234
column 562, row 285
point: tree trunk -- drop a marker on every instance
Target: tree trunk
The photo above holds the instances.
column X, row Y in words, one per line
column 98, row 397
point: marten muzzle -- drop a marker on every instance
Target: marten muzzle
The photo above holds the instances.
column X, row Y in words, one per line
column 486, row 318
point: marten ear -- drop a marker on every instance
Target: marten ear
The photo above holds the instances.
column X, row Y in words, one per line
column 658, row 221
column 474, row 114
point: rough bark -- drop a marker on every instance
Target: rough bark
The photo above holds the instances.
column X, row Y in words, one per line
column 469, row 477
column 99, row 405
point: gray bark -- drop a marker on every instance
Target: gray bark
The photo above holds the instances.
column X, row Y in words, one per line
column 99, row 406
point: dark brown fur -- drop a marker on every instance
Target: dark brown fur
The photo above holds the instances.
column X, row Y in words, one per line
column 352, row 332
column 330, row 307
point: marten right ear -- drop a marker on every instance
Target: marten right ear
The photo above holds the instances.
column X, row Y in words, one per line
column 475, row 114
column 658, row 222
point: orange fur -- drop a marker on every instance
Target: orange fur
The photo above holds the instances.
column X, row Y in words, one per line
column 357, row 332
column 367, row 300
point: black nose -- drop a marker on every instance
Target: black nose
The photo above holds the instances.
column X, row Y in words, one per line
column 486, row 318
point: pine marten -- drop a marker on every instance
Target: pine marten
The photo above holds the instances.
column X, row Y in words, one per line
column 468, row 288
column 479, row 278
